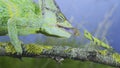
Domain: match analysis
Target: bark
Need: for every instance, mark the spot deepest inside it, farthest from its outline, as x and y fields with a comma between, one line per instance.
x=59, y=53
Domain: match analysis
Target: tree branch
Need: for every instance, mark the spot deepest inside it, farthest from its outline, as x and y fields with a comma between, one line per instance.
x=62, y=52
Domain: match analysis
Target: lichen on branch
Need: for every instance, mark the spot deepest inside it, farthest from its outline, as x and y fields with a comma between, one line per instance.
x=43, y=51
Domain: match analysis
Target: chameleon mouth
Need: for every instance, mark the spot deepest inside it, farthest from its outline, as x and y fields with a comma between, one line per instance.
x=70, y=30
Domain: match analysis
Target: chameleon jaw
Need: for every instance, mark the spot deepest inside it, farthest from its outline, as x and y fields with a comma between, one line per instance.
x=55, y=31
x=58, y=31
x=64, y=28
x=70, y=30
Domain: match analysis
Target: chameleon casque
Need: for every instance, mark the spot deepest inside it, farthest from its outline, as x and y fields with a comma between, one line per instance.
x=23, y=17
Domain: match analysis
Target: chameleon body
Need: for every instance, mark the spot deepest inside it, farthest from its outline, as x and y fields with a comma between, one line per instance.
x=23, y=17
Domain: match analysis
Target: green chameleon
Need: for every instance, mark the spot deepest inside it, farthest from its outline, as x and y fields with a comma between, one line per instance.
x=23, y=17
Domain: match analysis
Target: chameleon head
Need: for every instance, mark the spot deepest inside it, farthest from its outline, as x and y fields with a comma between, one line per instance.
x=52, y=27
x=54, y=22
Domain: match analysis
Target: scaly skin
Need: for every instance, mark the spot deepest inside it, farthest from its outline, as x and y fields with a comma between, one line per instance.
x=23, y=17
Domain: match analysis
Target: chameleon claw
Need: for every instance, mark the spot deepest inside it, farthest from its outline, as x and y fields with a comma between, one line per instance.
x=18, y=55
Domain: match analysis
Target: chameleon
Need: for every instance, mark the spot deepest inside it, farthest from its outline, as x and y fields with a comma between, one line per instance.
x=24, y=17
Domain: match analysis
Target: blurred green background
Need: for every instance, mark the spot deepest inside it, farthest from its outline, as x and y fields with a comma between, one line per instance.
x=8, y=62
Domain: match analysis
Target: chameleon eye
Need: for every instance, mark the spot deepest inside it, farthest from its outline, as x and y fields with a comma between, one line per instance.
x=60, y=17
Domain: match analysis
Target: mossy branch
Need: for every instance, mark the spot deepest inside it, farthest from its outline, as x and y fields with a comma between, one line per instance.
x=62, y=52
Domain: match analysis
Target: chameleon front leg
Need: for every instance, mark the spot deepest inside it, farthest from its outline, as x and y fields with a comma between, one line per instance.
x=13, y=35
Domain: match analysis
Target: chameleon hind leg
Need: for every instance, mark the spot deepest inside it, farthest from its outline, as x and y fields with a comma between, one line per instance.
x=13, y=35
